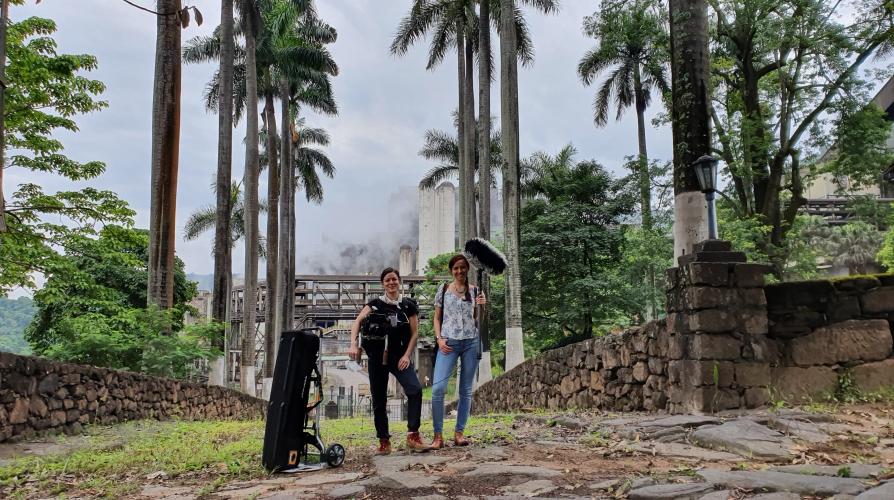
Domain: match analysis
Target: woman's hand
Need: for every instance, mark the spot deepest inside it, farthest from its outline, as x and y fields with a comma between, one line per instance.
x=354, y=352
x=442, y=345
x=403, y=363
x=481, y=299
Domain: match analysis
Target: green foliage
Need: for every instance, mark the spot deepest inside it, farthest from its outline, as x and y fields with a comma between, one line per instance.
x=45, y=92
x=93, y=309
x=646, y=254
x=861, y=153
x=886, y=253
x=571, y=244
x=14, y=317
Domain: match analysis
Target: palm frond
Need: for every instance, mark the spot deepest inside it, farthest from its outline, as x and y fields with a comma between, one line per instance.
x=198, y=222
x=438, y=174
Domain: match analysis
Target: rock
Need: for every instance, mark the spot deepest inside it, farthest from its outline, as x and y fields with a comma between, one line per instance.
x=489, y=469
x=531, y=488
x=783, y=481
x=862, y=471
x=642, y=482
x=48, y=384
x=430, y=497
x=799, y=383
x=719, y=495
x=158, y=491
x=804, y=431
x=681, y=450
x=884, y=491
x=874, y=376
x=347, y=490
x=745, y=438
x=853, y=340
x=687, y=421
x=19, y=412
x=604, y=485
x=686, y=491
x=878, y=301
x=779, y=495
x=569, y=423
x=318, y=479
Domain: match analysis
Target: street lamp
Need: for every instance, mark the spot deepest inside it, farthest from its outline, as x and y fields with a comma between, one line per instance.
x=706, y=172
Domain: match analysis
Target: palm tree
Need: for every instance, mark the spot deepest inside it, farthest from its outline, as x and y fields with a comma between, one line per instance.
x=205, y=218
x=223, y=267
x=632, y=41
x=444, y=148
x=165, y=155
x=453, y=23
x=288, y=48
x=690, y=74
x=515, y=353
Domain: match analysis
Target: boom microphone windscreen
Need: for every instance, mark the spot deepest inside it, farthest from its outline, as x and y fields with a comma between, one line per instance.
x=483, y=255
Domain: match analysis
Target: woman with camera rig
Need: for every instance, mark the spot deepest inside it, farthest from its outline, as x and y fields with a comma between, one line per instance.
x=390, y=326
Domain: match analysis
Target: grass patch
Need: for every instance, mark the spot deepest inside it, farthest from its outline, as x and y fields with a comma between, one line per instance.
x=205, y=455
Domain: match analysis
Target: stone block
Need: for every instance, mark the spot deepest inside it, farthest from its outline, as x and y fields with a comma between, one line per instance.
x=703, y=399
x=24, y=385
x=752, y=374
x=752, y=321
x=853, y=340
x=693, y=373
x=640, y=371
x=712, y=246
x=874, y=376
x=810, y=295
x=712, y=321
x=672, y=278
x=707, y=273
x=878, y=301
x=677, y=346
x=705, y=297
x=715, y=347
x=844, y=308
x=19, y=412
x=886, y=279
x=656, y=365
x=749, y=275
x=684, y=260
x=38, y=407
x=49, y=384
x=793, y=383
x=755, y=397
x=856, y=284
x=752, y=298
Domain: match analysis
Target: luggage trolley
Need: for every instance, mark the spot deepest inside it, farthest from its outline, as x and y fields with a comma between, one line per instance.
x=290, y=431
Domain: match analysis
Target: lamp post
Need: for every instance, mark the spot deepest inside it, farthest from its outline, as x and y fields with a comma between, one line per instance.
x=706, y=172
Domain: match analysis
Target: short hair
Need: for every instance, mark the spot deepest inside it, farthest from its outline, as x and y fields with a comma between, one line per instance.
x=386, y=272
x=456, y=258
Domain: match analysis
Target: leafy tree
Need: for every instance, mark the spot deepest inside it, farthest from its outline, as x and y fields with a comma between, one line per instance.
x=45, y=92
x=633, y=42
x=572, y=241
x=785, y=74
x=15, y=315
x=95, y=309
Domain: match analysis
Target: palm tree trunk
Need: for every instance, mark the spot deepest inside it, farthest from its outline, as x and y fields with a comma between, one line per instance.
x=690, y=117
x=509, y=137
x=645, y=183
x=222, y=236
x=293, y=245
x=484, y=177
x=165, y=157
x=469, y=147
x=286, y=199
x=251, y=210
x=461, y=130
x=271, y=309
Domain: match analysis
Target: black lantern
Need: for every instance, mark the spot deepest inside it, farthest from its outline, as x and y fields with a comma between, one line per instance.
x=706, y=173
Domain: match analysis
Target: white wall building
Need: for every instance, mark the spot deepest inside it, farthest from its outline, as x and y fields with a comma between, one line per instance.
x=437, y=223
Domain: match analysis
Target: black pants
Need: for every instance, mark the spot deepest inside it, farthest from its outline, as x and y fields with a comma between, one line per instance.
x=378, y=387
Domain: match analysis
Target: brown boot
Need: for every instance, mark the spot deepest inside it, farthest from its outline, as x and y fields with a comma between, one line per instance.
x=384, y=447
x=414, y=443
x=437, y=443
x=460, y=440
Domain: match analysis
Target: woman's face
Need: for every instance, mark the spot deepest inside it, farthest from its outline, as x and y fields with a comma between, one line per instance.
x=391, y=283
x=459, y=270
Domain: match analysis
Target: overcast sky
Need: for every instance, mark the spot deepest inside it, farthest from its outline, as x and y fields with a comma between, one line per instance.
x=385, y=105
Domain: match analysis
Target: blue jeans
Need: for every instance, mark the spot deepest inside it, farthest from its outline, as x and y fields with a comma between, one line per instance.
x=465, y=350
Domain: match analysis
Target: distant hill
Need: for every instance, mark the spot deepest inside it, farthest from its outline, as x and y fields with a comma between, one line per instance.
x=206, y=281
x=15, y=315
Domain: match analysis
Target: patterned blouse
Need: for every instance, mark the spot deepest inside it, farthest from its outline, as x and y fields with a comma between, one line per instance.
x=457, y=321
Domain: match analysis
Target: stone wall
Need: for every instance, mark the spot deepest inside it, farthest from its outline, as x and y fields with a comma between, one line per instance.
x=39, y=395
x=624, y=372
x=830, y=330
x=728, y=342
